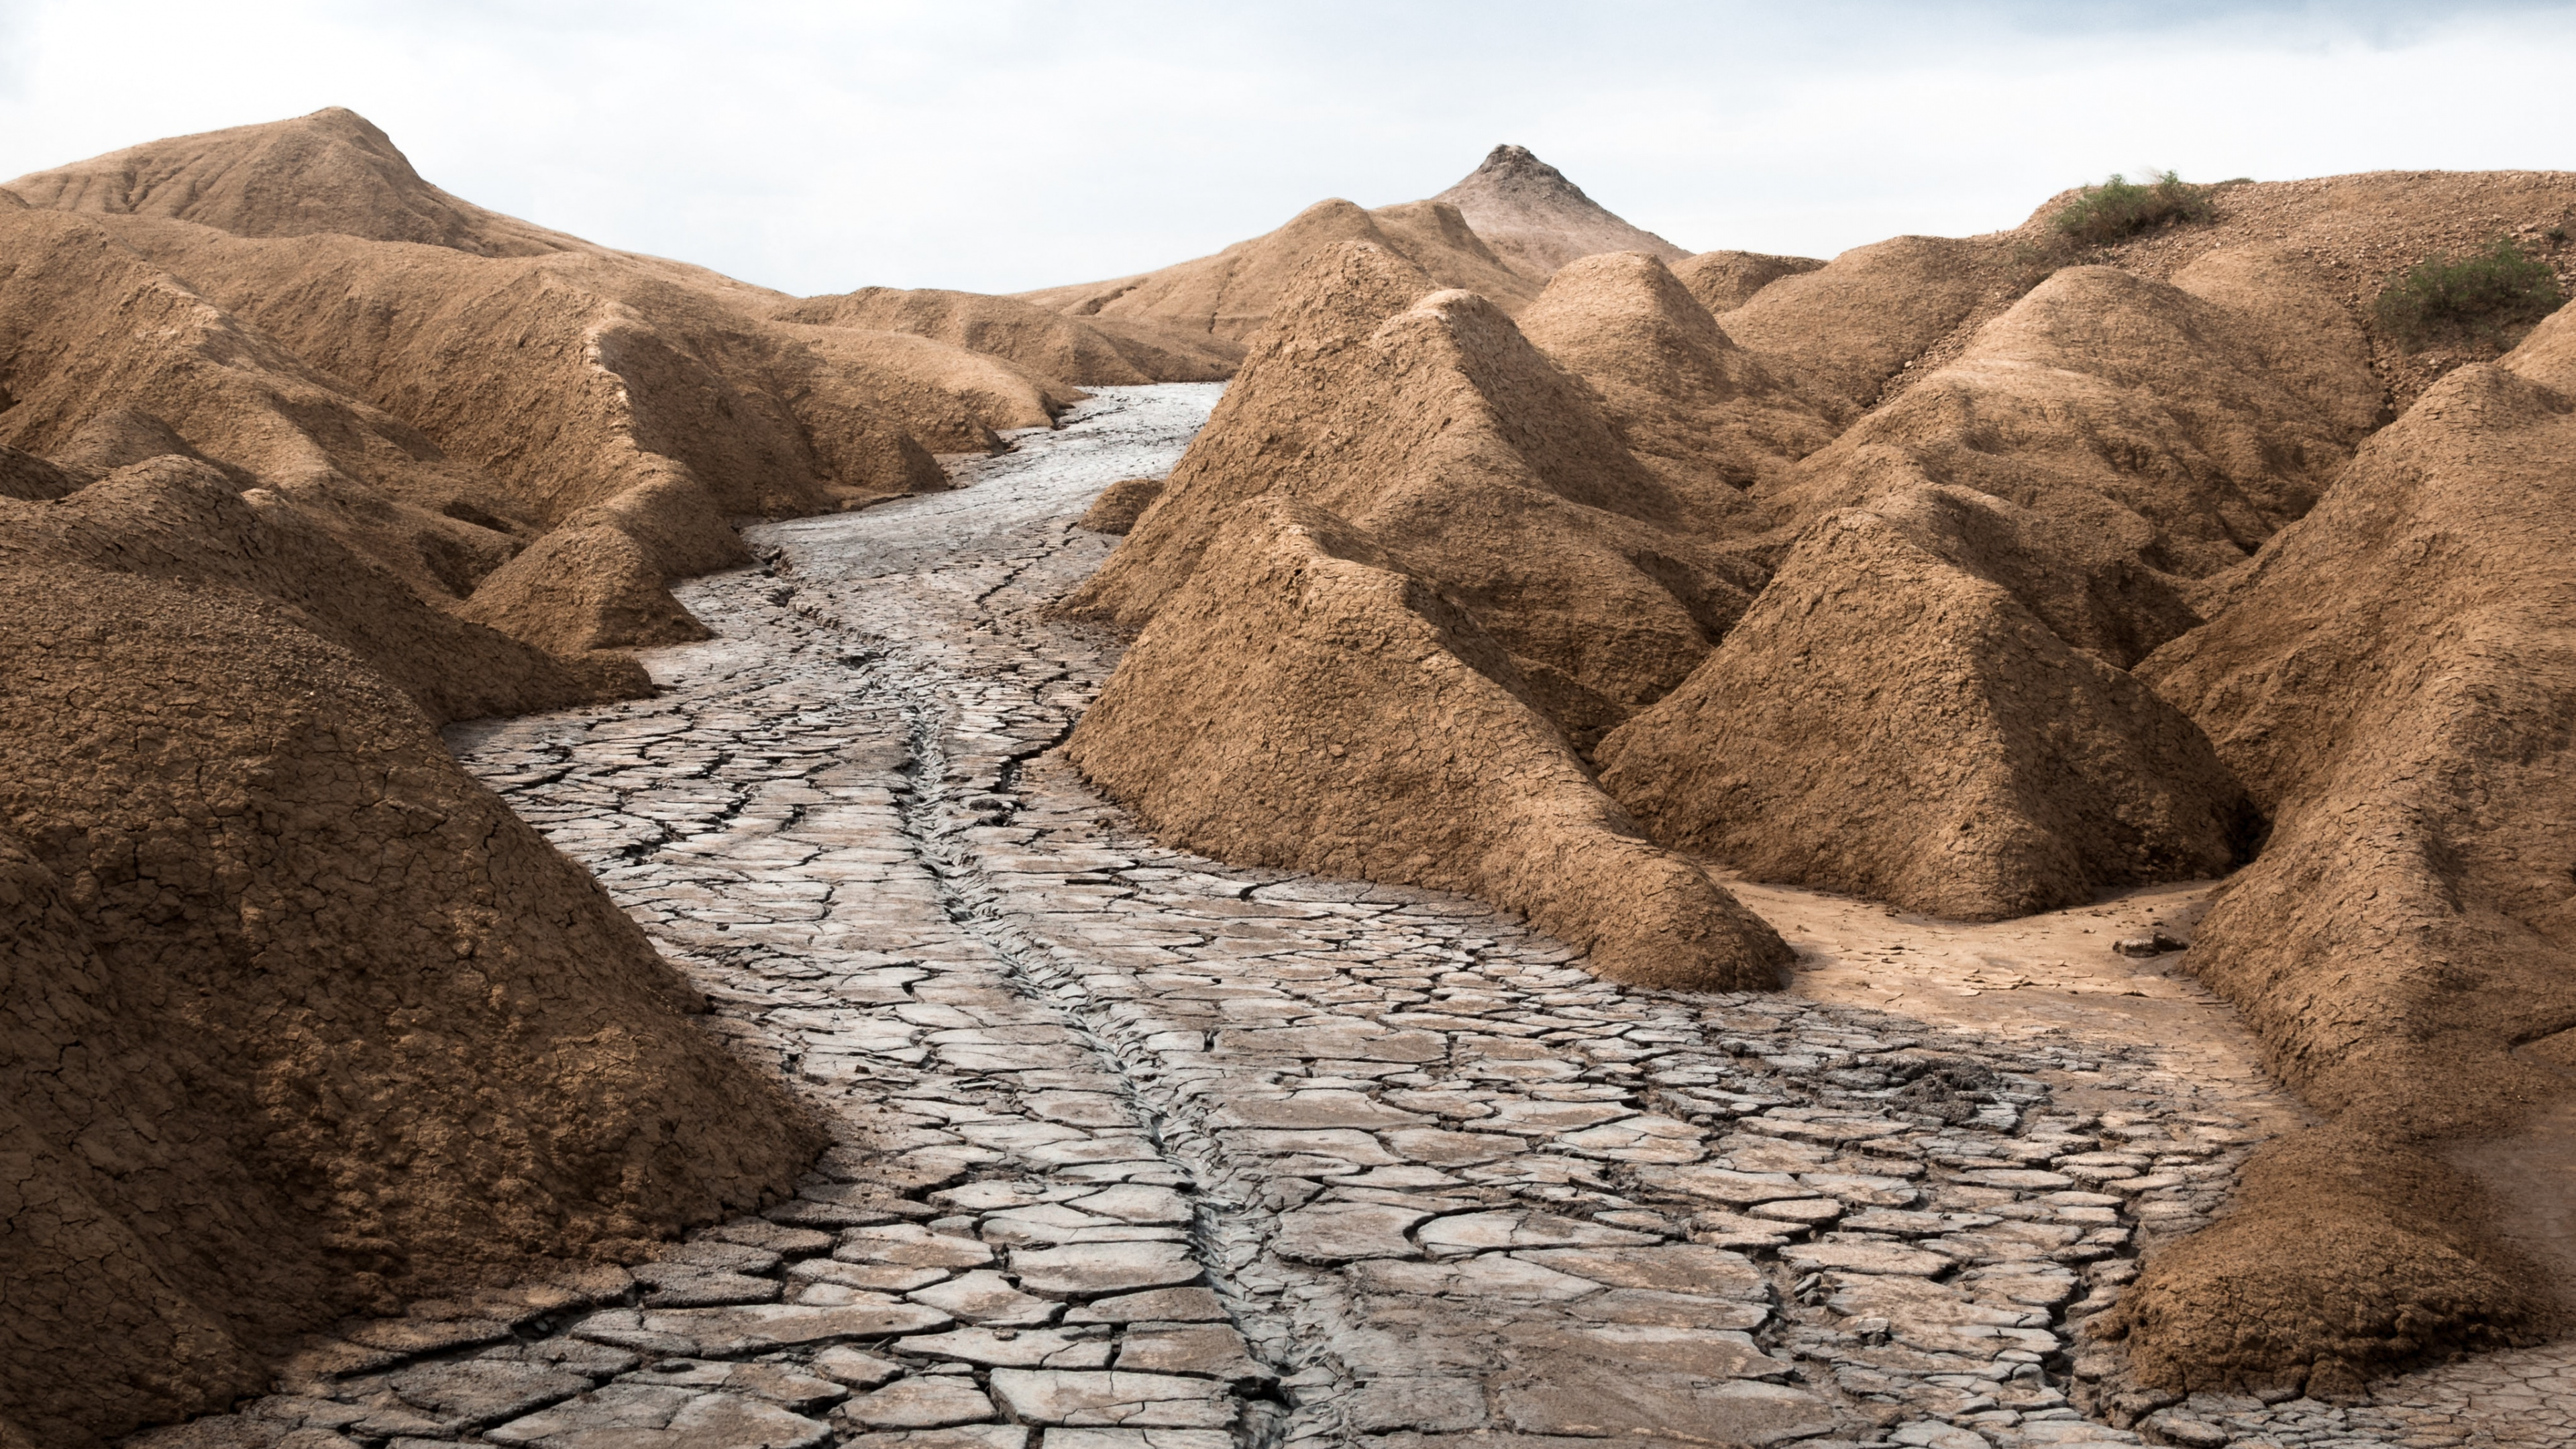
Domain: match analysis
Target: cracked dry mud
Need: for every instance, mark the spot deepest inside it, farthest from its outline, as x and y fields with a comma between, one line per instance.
x=1140, y=1151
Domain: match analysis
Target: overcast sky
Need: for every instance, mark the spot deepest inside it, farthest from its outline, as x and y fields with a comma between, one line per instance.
x=819, y=147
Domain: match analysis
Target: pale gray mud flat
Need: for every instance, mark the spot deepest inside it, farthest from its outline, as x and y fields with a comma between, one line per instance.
x=1141, y=1151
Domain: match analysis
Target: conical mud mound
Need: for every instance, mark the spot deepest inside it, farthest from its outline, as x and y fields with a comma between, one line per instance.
x=1885, y=723
x=1303, y=702
x=1691, y=405
x=2393, y=682
x=1537, y=221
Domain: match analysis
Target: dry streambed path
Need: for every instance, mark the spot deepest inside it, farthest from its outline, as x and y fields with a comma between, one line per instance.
x=1140, y=1151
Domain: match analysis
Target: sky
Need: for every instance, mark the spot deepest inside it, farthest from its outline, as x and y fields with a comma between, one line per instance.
x=818, y=147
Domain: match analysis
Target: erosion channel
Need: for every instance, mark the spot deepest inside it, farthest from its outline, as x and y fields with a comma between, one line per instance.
x=1141, y=1150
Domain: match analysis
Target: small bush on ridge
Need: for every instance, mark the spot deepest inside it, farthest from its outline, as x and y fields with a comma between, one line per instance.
x=2472, y=298
x=2121, y=208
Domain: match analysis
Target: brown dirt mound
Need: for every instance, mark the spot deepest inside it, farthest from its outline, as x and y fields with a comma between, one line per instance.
x=579, y=589
x=111, y=359
x=1427, y=446
x=1120, y=505
x=1537, y=221
x=1089, y=351
x=1303, y=702
x=1433, y=427
x=26, y=476
x=2209, y=422
x=2343, y=1255
x=513, y=378
x=331, y=171
x=1691, y=405
x=2393, y=682
x=1724, y=281
x=566, y=378
x=1230, y=295
x=2083, y=571
x=1854, y=323
x=1886, y=723
x=2352, y=234
x=301, y=1019
x=174, y=519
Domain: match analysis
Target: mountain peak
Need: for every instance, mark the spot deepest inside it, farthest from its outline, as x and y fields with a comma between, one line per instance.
x=1537, y=220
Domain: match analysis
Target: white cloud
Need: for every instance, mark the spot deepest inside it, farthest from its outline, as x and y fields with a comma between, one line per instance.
x=816, y=146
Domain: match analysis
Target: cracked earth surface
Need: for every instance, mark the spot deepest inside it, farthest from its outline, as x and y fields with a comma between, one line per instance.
x=1141, y=1151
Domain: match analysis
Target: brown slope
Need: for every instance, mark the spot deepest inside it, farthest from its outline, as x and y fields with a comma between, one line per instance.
x=1690, y=404
x=1724, y=281
x=2394, y=682
x=1537, y=221
x=110, y=359
x=1091, y=351
x=24, y=475
x=300, y=1019
x=1858, y=322
x=1853, y=324
x=1228, y=296
x=1886, y=722
x=573, y=378
x=331, y=171
x=574, y=384
x=1429, y=423
x=1395, y=464
x=2351, y=234
x=170, y=518
x=1304, y=702
x=2207, y=413
x=1118, y=506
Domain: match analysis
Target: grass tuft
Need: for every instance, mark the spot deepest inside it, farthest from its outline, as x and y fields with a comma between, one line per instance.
x=2120, y=208
x=2479, y=298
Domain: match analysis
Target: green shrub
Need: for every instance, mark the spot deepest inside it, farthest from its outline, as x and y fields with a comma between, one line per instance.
x=2121, y=208
x=2473, y=298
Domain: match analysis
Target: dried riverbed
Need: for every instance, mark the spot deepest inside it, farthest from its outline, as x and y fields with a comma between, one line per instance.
x=1139, y=1151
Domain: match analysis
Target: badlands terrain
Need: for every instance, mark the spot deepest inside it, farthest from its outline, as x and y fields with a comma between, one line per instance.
x=1452, y=826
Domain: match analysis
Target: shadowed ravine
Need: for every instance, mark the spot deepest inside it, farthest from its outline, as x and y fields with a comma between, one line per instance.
x=1133, y=1141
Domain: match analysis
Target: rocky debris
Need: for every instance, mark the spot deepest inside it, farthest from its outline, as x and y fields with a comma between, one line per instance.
x=1537, y=221
x=1888, y=724
x=1120, y=504
x=2155, y=945
x=976, y=967
x=1723, y=281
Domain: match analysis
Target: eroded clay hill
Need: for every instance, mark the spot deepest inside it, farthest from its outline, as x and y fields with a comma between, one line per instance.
x=1500, y=233
x=1537, y=221
x=1400, y=489
x=444, y=383
x=303, y=458
x=301, y=1021
x=1076, y=351
x=1973, y=575
x=2392, y=683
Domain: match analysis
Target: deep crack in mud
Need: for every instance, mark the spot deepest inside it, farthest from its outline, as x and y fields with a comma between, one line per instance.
x=1141, y=1150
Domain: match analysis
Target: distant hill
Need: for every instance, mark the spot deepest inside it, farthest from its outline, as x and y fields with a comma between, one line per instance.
x=1500, y=232
x=1537, y=221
